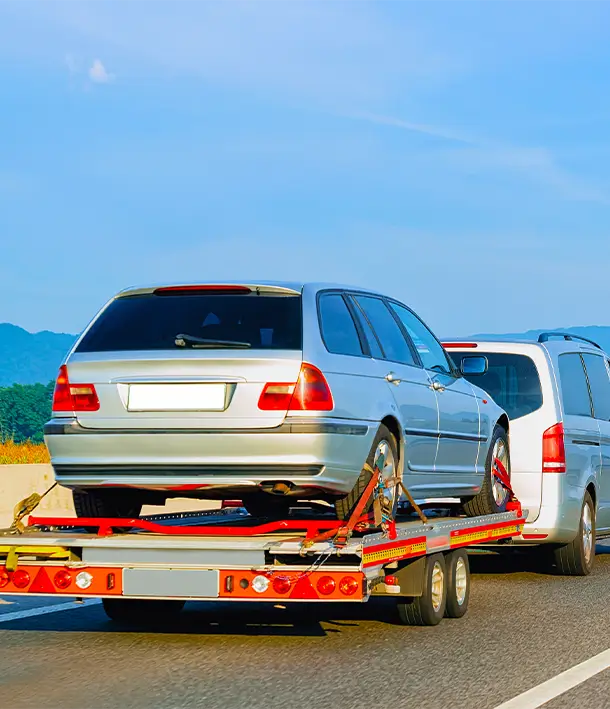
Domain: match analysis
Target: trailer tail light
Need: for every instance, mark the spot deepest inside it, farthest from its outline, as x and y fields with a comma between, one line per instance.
x=62, y=579
x=326, y=585
x=309, y=393
x=73, y=397
x=20, y=578
x=4, y=578
x=281, y=584
x=553, y=450
x=348, y=585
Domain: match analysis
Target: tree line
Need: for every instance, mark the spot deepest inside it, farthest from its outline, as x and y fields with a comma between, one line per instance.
x=24, y=410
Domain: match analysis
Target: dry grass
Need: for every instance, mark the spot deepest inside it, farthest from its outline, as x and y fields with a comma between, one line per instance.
x=23, y=453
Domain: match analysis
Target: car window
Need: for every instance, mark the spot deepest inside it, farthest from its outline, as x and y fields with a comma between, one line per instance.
x=151, y=321
x=337, y=326
x=371, y=338
x=511, y=380
x=430, y=350
x=574, y=388
x=599, y=383
x=393, y=342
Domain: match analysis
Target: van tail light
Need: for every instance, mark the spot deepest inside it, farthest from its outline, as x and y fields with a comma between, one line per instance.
x=73, y=397
x=553, y=450
x=309, y=393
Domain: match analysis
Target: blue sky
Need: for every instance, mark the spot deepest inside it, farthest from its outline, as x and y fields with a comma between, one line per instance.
x=452, y=154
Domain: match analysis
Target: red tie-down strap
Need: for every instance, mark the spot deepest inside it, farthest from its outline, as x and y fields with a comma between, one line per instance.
x=501, y=474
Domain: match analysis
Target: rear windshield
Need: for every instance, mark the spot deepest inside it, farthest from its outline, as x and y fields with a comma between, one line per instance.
x=511, y=380
x=215, y=321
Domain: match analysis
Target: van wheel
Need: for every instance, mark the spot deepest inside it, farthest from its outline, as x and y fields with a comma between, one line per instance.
x=384, y=444
x=577, y=557
x=134, y=611
x=105, y=503
x=493, y=496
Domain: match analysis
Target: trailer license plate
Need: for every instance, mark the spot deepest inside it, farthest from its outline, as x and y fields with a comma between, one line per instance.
x=171, y=583
x=176, y=397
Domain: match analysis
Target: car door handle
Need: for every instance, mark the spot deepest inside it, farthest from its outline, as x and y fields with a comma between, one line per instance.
x=437, y=386
x=392, y=378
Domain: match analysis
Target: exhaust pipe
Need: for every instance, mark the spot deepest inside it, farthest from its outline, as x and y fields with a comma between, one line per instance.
x=279, y=488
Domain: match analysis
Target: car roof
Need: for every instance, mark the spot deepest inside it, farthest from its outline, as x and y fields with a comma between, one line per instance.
x=279, y=286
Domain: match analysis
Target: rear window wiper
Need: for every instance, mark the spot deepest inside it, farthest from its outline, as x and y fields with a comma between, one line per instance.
x=182, y=340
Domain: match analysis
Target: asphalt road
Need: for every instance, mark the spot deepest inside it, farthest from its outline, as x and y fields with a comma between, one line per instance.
x=522, y=629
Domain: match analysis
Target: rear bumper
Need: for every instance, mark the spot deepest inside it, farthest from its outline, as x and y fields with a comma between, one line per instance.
x=313, y=455
x=558, y=520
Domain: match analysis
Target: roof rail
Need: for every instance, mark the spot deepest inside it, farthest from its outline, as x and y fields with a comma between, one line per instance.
x=546, y=336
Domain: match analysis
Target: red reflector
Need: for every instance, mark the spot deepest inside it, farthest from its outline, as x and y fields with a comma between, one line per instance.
x=42, y=583
x=348, y=586
x=73, y=397
x=534, y=536
x=391, y=581
x=20, y=578
x=281, y=584
x=310, y=393
x=303, y=589
x=459, y=345
x=553, y=450
x=231, y=503
x=326, y=585
x=4, y=578
x=62, y=579
x=225, y=289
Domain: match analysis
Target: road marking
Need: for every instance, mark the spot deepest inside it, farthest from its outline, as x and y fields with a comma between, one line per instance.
x=31, y=612
x=561, y=683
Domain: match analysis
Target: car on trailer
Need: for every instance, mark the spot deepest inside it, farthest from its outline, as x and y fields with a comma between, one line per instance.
x=272, y=393
x=556, y=391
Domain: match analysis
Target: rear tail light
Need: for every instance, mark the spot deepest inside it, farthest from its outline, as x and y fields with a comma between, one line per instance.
x=310, y=393
x=20, y=578
x=63, y=579
x=348, y=585
x=553, y=450
x=281, y=584
x=73, y=397
x=4, y=578
x=326, y=585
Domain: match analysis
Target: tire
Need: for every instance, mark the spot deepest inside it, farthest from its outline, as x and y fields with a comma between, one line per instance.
x=486, y=502
x=429, y=608
x=458, y=584
x=105, y=503
x=345, y=505
x=577, y=557
x=266, y=506
x=127, y=611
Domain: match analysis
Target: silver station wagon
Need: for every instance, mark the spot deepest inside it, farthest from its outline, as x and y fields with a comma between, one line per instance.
x=268, y=393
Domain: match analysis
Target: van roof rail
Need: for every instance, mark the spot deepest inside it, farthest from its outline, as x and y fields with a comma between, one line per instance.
x=546, y=336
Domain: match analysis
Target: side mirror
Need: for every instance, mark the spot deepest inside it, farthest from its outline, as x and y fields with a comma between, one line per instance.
x=473, y=366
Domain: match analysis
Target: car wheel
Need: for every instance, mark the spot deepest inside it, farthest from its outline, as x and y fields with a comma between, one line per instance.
x=577, y=557
x=384, y=444
x=133, y=611
x=493, y=496
x=105, y=503
x=264, y=505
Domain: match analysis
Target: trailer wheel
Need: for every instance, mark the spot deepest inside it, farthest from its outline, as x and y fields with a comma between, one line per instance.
x=384, y=443
x=134, y=611
x=429, y=608
x=458, y=583
x=493, y=496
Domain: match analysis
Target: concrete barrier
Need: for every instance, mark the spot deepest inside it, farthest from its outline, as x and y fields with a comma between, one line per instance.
x=20, y=481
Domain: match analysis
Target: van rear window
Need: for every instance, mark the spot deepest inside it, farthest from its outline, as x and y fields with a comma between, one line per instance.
x=511, y=380
x=207, y=320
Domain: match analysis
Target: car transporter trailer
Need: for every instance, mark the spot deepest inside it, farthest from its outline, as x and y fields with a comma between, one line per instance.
x=145, y=569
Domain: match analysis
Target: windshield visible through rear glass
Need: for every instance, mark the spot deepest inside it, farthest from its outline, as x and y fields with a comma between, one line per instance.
x=205, y=320
x=511, y=380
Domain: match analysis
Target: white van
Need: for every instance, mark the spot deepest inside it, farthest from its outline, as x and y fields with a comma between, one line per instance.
x=557, y=395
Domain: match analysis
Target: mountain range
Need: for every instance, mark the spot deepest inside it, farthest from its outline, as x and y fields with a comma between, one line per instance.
x=29, y=358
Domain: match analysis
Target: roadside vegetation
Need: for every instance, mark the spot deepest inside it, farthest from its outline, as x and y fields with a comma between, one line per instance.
x=23, y=453
x=24, y=410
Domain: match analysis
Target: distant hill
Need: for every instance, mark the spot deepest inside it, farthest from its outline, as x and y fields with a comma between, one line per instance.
x=29, y=358
x=598, y=333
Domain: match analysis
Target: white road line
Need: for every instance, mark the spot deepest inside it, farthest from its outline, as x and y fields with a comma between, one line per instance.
x=543, y=693
x=43, y=610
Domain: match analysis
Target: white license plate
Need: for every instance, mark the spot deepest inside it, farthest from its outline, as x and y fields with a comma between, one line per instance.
x=176, y=397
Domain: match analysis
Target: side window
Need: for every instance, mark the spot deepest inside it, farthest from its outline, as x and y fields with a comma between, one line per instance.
x=337, y=326
x=428, y=347
x=574, y=388
x=371, y=338
x=599, y=383
x=393, y=342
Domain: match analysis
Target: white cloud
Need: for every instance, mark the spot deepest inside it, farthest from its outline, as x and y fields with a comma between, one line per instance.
x=98, y=73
